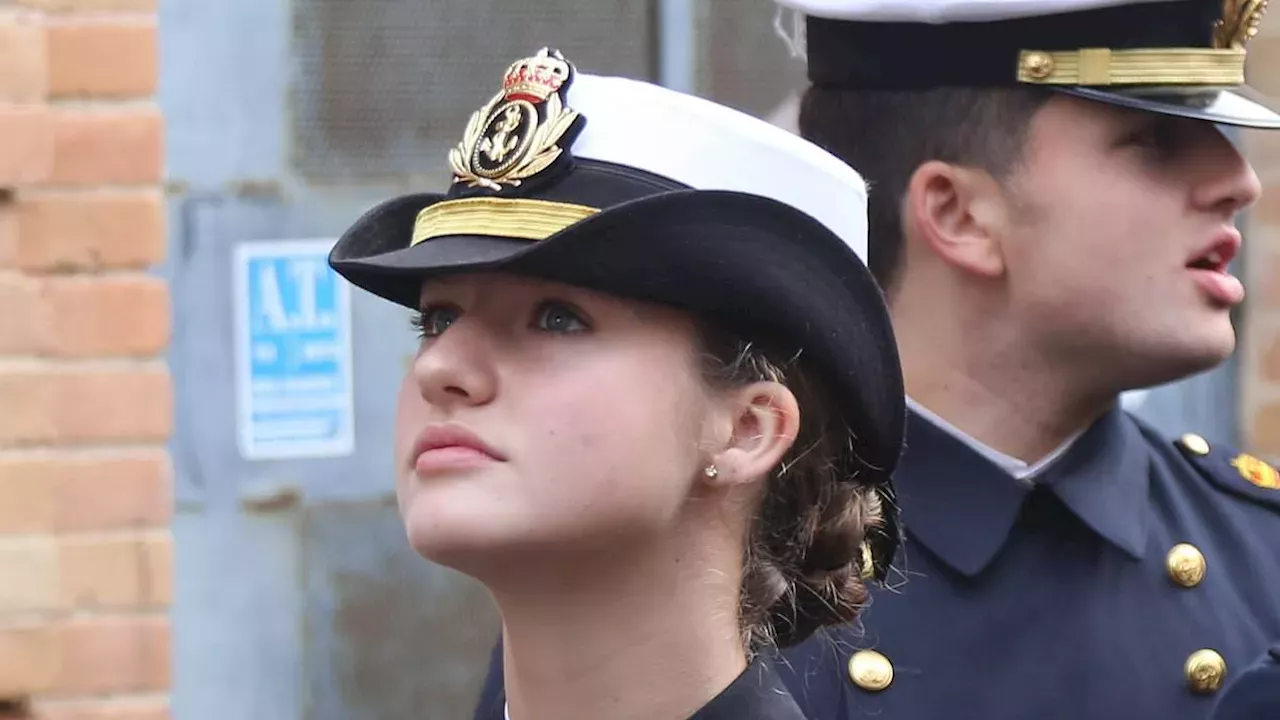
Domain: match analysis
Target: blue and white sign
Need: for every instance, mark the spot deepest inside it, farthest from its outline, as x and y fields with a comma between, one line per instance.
x=293, y=352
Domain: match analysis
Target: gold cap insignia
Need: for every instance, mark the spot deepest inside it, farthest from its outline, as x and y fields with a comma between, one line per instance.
x=523, y=129
x=1239, y=23
x=1257, y=472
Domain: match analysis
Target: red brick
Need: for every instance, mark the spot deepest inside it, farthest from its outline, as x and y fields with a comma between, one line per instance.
x=84, y=316
x=1263, y=271
x=25, y=320
x=8, y=232
x=1264, y=54
x=104, y=58
x=108, y=316
x=91, y=5
x=28, y=574
x=114, y=571
x=26, y=145
x=121, y=145
x=1266, y=213
x=55, y=492
x=130, y=491
x=90, y=230
x=113, y=709
x=29, y=660
x=27, y=500
x=22, y=45
x=157, y=571
x=1268, y=365
x=68, y=406
x=1263, y=431
x=114, y=654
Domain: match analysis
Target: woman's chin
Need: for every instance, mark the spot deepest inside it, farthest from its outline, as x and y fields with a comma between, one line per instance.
x=455, y=542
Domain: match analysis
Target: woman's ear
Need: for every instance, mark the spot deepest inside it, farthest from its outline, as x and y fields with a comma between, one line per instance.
x=764, y=419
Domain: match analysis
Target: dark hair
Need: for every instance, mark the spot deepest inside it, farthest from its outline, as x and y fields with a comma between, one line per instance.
x=886, y=135
x=804, y=561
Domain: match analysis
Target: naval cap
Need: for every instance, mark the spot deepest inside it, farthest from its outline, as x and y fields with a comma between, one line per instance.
x=1178, y=57
x=643, y=192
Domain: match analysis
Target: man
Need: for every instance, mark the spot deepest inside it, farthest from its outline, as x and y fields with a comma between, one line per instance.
x=1048, y=241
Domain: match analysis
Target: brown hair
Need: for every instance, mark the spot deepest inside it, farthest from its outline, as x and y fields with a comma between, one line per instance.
x=803, y=565
x=886, y=135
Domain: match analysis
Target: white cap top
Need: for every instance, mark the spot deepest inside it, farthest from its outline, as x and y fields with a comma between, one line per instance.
x=712, y=147
x=943, y=11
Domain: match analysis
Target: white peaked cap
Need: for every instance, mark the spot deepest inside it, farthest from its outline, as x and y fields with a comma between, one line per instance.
x=712, y=147
x=943, y=11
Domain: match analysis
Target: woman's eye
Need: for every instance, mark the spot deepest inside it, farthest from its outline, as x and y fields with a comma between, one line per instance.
x=558, y=317
x=433, y=321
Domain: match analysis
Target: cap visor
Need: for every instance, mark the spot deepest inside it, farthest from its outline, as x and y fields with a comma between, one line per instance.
x=1239, y=106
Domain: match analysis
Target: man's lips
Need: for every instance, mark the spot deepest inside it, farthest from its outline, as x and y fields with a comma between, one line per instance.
x=1209, y=267
x=1217, y=255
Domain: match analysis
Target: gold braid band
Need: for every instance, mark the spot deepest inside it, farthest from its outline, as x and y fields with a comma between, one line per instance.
x=497, y=217
x=1102, y=66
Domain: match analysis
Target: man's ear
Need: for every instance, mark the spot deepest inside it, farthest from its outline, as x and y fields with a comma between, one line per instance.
x=960, y=213
x=764, y=419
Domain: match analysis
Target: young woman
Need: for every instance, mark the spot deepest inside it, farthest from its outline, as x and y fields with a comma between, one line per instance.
x=657, y=399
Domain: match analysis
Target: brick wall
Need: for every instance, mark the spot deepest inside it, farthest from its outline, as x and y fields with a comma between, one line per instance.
x=1260, y=352
x=85, y=398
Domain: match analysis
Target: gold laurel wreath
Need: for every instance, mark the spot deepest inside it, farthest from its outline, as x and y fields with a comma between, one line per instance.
x=1239, y=23
x=542, y=151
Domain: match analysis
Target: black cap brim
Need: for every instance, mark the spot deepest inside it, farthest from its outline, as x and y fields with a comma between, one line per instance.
x=1238, y=106
x=727, y=257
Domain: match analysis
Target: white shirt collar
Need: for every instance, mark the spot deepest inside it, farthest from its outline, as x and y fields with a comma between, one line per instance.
x=1020, y=469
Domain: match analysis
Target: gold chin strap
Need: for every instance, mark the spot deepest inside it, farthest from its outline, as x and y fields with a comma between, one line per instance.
x=1145, y=66
x=520, y=218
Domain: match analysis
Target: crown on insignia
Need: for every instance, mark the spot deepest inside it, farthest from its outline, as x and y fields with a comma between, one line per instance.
x=536, y=78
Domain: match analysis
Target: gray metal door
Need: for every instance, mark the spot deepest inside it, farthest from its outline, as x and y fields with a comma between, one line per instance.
x=297, y=596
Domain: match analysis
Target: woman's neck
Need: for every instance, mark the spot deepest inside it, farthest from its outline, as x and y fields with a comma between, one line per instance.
x=650, y=635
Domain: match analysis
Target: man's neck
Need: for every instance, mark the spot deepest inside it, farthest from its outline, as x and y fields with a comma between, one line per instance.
x=642, y=637
x=991, y=390
x=1025, y=425
x=966, y=359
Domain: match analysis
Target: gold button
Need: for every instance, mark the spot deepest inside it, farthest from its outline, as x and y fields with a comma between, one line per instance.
x=1205, y=671
x=1186, y=565
x=870, y=670
x=1037, y=65
x=1196, y=444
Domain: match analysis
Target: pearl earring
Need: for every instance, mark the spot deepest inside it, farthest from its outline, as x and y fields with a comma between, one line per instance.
x=711, y=470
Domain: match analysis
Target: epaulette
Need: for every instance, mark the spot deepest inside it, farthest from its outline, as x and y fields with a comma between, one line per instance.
x=1236, y=472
